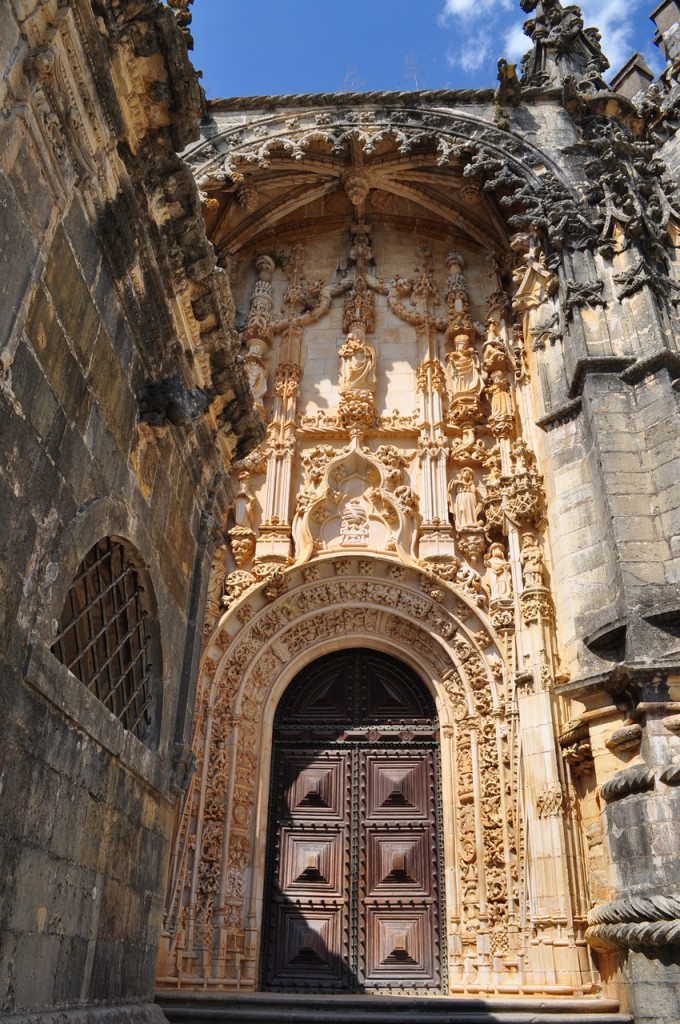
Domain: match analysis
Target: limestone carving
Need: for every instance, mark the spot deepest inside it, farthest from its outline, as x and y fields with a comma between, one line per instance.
x=643, y=922
x=399, y=481
x=550, y=801
x=465, y=503
x=502, y=417
x=498, y=579
x=357, y=366
x=533, y=569
x=354, y=526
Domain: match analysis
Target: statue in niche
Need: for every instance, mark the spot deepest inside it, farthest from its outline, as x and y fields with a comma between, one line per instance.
x=502, y=416
x=456, y=287
x=533, y=569
x=243, y=504
x=501, y=399
x=464, y=380
x=357, y=365
x=466, y=505
x=497, y=576
x=466, y=377
x=242, y=536
x=256, y=371
x=495, y=353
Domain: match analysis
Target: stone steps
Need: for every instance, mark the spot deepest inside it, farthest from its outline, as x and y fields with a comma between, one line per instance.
x=276, y=1008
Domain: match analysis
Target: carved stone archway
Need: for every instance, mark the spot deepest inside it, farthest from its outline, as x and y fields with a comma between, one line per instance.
x=213, y=927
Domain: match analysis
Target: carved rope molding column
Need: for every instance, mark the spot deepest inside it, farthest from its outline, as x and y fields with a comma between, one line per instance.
x=640, y=924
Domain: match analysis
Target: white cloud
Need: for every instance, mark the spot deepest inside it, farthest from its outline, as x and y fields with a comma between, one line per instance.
x=470, y=10
x=474, y=51
x=515, y=43
x=614, y=19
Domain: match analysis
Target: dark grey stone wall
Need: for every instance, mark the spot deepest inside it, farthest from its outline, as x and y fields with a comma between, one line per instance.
x=90, y=313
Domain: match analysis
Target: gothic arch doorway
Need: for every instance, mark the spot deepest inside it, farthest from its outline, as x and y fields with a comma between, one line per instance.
x=353, y=890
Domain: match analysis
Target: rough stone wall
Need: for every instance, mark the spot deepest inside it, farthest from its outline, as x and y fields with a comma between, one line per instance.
x=107, y=287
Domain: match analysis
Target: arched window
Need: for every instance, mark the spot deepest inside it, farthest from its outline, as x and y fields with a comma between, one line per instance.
x=106, y=634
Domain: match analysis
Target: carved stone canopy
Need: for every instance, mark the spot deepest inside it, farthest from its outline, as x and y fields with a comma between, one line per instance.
x=389, y=163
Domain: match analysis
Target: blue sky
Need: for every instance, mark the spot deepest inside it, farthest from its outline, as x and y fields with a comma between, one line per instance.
x=257, y=47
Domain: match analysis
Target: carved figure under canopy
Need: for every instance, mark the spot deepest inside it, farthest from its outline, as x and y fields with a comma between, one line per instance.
x=357, y=365
x=456, y=287
x=465, y=505
x=466, y=378
x=533, y=568
x=256, y=370
x=501, y=399
x=497, y=576
x=243, y=504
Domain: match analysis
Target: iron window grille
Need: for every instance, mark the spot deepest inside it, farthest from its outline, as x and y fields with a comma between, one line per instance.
x=104, y=635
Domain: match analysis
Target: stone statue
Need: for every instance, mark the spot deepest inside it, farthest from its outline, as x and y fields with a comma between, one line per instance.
x=466, y=378
x=497, y=576
x=501, y=399
x=256, y=369
x=466, y=505
x=533, y=568
x=456, y=287
x=243, y=504
x=357, y=365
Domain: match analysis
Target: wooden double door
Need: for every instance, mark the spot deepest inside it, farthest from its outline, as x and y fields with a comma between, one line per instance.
x=353, y=894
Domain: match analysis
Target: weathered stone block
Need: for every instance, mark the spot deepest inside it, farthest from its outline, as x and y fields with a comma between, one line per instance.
x=18, y=254
x=113, y=393
x=71, y=297
x=51, y=348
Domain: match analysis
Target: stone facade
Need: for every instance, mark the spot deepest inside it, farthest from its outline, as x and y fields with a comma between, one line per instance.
x=458, y=318
x=456, y=314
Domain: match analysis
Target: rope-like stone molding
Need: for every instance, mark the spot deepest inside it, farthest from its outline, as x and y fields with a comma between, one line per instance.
x=626, y=738
x=636, y=923
x=636, y=779
x=671, y=775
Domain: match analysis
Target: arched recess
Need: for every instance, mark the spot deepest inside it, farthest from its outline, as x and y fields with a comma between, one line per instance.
x=214, y=912
x=405, y=150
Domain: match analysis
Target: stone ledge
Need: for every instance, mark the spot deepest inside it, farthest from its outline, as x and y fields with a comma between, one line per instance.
x=138, y=1013
x=560, y=415
x=596, y=364
x=616, y=678
x=70, y=697
x=663, y=359
x=277, y=1008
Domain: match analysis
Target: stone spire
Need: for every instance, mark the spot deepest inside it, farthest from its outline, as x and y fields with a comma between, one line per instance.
x=563, y=50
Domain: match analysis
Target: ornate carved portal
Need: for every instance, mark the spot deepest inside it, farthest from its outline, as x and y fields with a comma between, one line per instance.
x=397, y=505
x=353, y=892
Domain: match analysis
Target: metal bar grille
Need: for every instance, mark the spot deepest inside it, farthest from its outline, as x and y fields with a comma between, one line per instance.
x=103, y=637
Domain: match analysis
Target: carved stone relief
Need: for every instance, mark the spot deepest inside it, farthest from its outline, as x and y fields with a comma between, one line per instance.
x=396, y=500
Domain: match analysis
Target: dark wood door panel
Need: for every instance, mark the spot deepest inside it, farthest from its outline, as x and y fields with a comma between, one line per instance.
x=398, y=918
x=316, y=785
x=353, y=899
x=310, y=951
